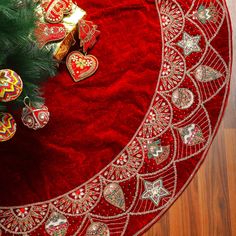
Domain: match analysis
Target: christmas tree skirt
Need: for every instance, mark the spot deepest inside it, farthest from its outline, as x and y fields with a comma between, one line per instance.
x=122, y=145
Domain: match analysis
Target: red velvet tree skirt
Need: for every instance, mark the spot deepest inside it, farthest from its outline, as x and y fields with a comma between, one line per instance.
x=122, y=145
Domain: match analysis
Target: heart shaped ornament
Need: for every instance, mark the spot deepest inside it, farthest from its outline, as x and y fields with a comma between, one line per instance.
x=81, y=66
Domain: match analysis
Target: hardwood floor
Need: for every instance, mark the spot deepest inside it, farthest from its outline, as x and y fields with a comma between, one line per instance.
x=208, y=206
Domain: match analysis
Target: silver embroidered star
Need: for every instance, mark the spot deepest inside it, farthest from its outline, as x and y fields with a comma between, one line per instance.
x=189, y=43
x=154, y=191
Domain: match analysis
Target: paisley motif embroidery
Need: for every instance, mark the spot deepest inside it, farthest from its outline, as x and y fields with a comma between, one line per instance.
x=46, y=33
x=205, y=74
x=114, y=194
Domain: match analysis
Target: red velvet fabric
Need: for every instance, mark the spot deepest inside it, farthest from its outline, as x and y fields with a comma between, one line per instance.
x=91, y=121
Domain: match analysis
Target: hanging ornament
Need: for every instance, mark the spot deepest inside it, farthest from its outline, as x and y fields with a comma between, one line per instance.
x=113, y=194
x=7, y=126
x=206, y=14
x=57, y=225
x=157, y=152
x=98, y=229
x=81, y=66
x=11, y=85
x=34, y=117
x=182, y=98
x=191, y=135
x=54, y=10
x=88, y=34
x=206, y=74
x=46, y=33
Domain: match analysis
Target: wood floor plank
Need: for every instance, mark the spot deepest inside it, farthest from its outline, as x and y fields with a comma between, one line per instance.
x=230, y=136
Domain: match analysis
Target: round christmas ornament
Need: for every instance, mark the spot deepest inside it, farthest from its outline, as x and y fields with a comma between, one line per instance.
x=57, y=224
x=11, y=85
x=183, y=98
x=7, y=126
x=34, y=117
x=98, y=229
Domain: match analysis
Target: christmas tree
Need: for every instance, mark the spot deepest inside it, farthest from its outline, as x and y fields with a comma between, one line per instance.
x=19, y=50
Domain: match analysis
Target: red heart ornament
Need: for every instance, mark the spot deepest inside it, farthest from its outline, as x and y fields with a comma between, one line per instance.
x=46, y=33
x=81, y=66
x=54, y=10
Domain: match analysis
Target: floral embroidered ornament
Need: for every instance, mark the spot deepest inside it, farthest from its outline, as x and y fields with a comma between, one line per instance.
x=140, y=184
x=81, y=66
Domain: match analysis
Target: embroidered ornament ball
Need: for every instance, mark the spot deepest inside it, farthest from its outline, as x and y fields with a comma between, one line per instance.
x=7, y=127
x=35, y=117
x=11, y=85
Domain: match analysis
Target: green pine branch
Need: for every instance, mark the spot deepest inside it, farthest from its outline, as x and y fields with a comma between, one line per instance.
x=19, y=52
